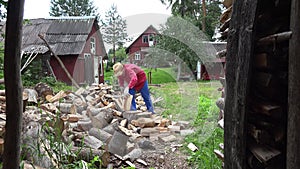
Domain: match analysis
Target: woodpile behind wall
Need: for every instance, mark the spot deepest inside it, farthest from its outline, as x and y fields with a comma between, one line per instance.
x=267, y=103
x=257, y=85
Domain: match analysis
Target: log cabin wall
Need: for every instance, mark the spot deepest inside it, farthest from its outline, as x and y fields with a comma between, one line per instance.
x=257, y=85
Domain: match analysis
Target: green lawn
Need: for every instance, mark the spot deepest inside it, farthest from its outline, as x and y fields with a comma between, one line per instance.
x=158, y=76
x=194, y=102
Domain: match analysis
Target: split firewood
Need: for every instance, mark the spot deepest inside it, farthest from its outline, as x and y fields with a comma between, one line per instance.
x=2, y=92
x=269, y=109
x=100, y=134
x=228, y=3
x=32, y=95
x=192, y=147
x=164, y=122
x=66, y=108
x=219, y=154
x=123, y=103
x=226, y=15
x=143, y=122
x=279, y=37
x=142, y=162
x=117, y=113
x=49, y=107
x=225, y=25
x=2, y=98
x=43, y=89
x=130, y=164
x=92, y=142
x=81, y=91
x=125, y=131
x=263, y=153
x=221, y=123
x=57, y=97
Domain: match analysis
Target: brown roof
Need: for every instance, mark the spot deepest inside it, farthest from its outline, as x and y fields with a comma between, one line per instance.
x=65, y=35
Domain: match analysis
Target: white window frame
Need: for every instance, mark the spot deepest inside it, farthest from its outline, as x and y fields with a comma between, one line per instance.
x=143, y=40
x=100, y=65
x=93, y=45
x=137, y=56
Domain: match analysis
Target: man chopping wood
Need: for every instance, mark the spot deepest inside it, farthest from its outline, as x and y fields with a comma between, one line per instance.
x=132, y=79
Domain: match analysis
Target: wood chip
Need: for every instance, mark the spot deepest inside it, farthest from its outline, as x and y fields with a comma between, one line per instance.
x=192, y=147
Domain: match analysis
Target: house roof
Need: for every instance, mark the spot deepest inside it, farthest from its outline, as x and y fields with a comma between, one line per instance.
x=65, y=35
x=150, y=27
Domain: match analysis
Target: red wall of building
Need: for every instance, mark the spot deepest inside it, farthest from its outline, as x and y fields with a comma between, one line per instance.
x=75, y=64
x=69, y=62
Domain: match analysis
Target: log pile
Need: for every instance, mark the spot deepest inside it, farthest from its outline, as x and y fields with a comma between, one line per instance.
x=224, y=29
x=90, y=121
x=225, y=19
x=267, y=102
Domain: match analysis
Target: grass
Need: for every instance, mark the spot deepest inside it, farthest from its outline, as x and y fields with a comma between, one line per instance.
x=194, y=102
x=158, y=76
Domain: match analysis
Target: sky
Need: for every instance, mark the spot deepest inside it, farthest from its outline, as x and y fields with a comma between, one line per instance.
x=41, y=8
x=139, y=14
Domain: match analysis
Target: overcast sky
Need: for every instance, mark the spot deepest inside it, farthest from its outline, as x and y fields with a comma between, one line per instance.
x=138, y=13
x=41, y=8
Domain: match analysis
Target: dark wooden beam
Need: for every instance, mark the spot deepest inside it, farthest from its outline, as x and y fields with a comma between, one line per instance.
x=13, y=84
x=293, y=134
x=238, y=64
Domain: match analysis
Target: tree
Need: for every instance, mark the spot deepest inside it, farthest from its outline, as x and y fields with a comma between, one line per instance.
x=72, y=8
x=3, y=7
x=203, y=13
x=114, y=29
x=13, y=85
x=180, y=42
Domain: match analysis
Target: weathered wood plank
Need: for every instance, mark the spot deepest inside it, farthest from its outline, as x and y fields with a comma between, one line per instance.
x=293, y=134
x=240, y=51
x=13, y=84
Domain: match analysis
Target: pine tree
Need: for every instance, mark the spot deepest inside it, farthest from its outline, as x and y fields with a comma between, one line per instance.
x=114, y=29
x=72, y=8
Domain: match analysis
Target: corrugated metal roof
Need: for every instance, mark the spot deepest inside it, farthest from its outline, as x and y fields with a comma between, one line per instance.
x=65, y=35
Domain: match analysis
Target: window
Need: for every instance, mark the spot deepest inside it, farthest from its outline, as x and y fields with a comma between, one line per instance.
x=93, y=46
x=151, y=40
x=100, y=65
x=137, y=56
x=145, y=38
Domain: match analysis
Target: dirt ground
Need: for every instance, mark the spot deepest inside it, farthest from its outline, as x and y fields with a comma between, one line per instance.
x=164, y=156
x=160, y=155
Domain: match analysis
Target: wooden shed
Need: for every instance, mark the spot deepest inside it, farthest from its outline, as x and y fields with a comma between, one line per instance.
x=262, y=112
x=77, y=41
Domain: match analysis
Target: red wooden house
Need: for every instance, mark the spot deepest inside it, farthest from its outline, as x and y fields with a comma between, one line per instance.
x=77, y=41
x=215, y=67
x=139, y=47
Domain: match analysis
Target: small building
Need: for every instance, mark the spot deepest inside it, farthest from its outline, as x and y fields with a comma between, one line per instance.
x=77, y=41
x=214, y=69
x=138, y=49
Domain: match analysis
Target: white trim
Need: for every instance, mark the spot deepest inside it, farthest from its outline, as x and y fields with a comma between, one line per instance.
x=137, y=56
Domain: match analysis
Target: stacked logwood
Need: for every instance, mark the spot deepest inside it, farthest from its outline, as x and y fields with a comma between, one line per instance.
x=267, y=102
x=223, y=29
x=92, y=121
x=225, y=19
